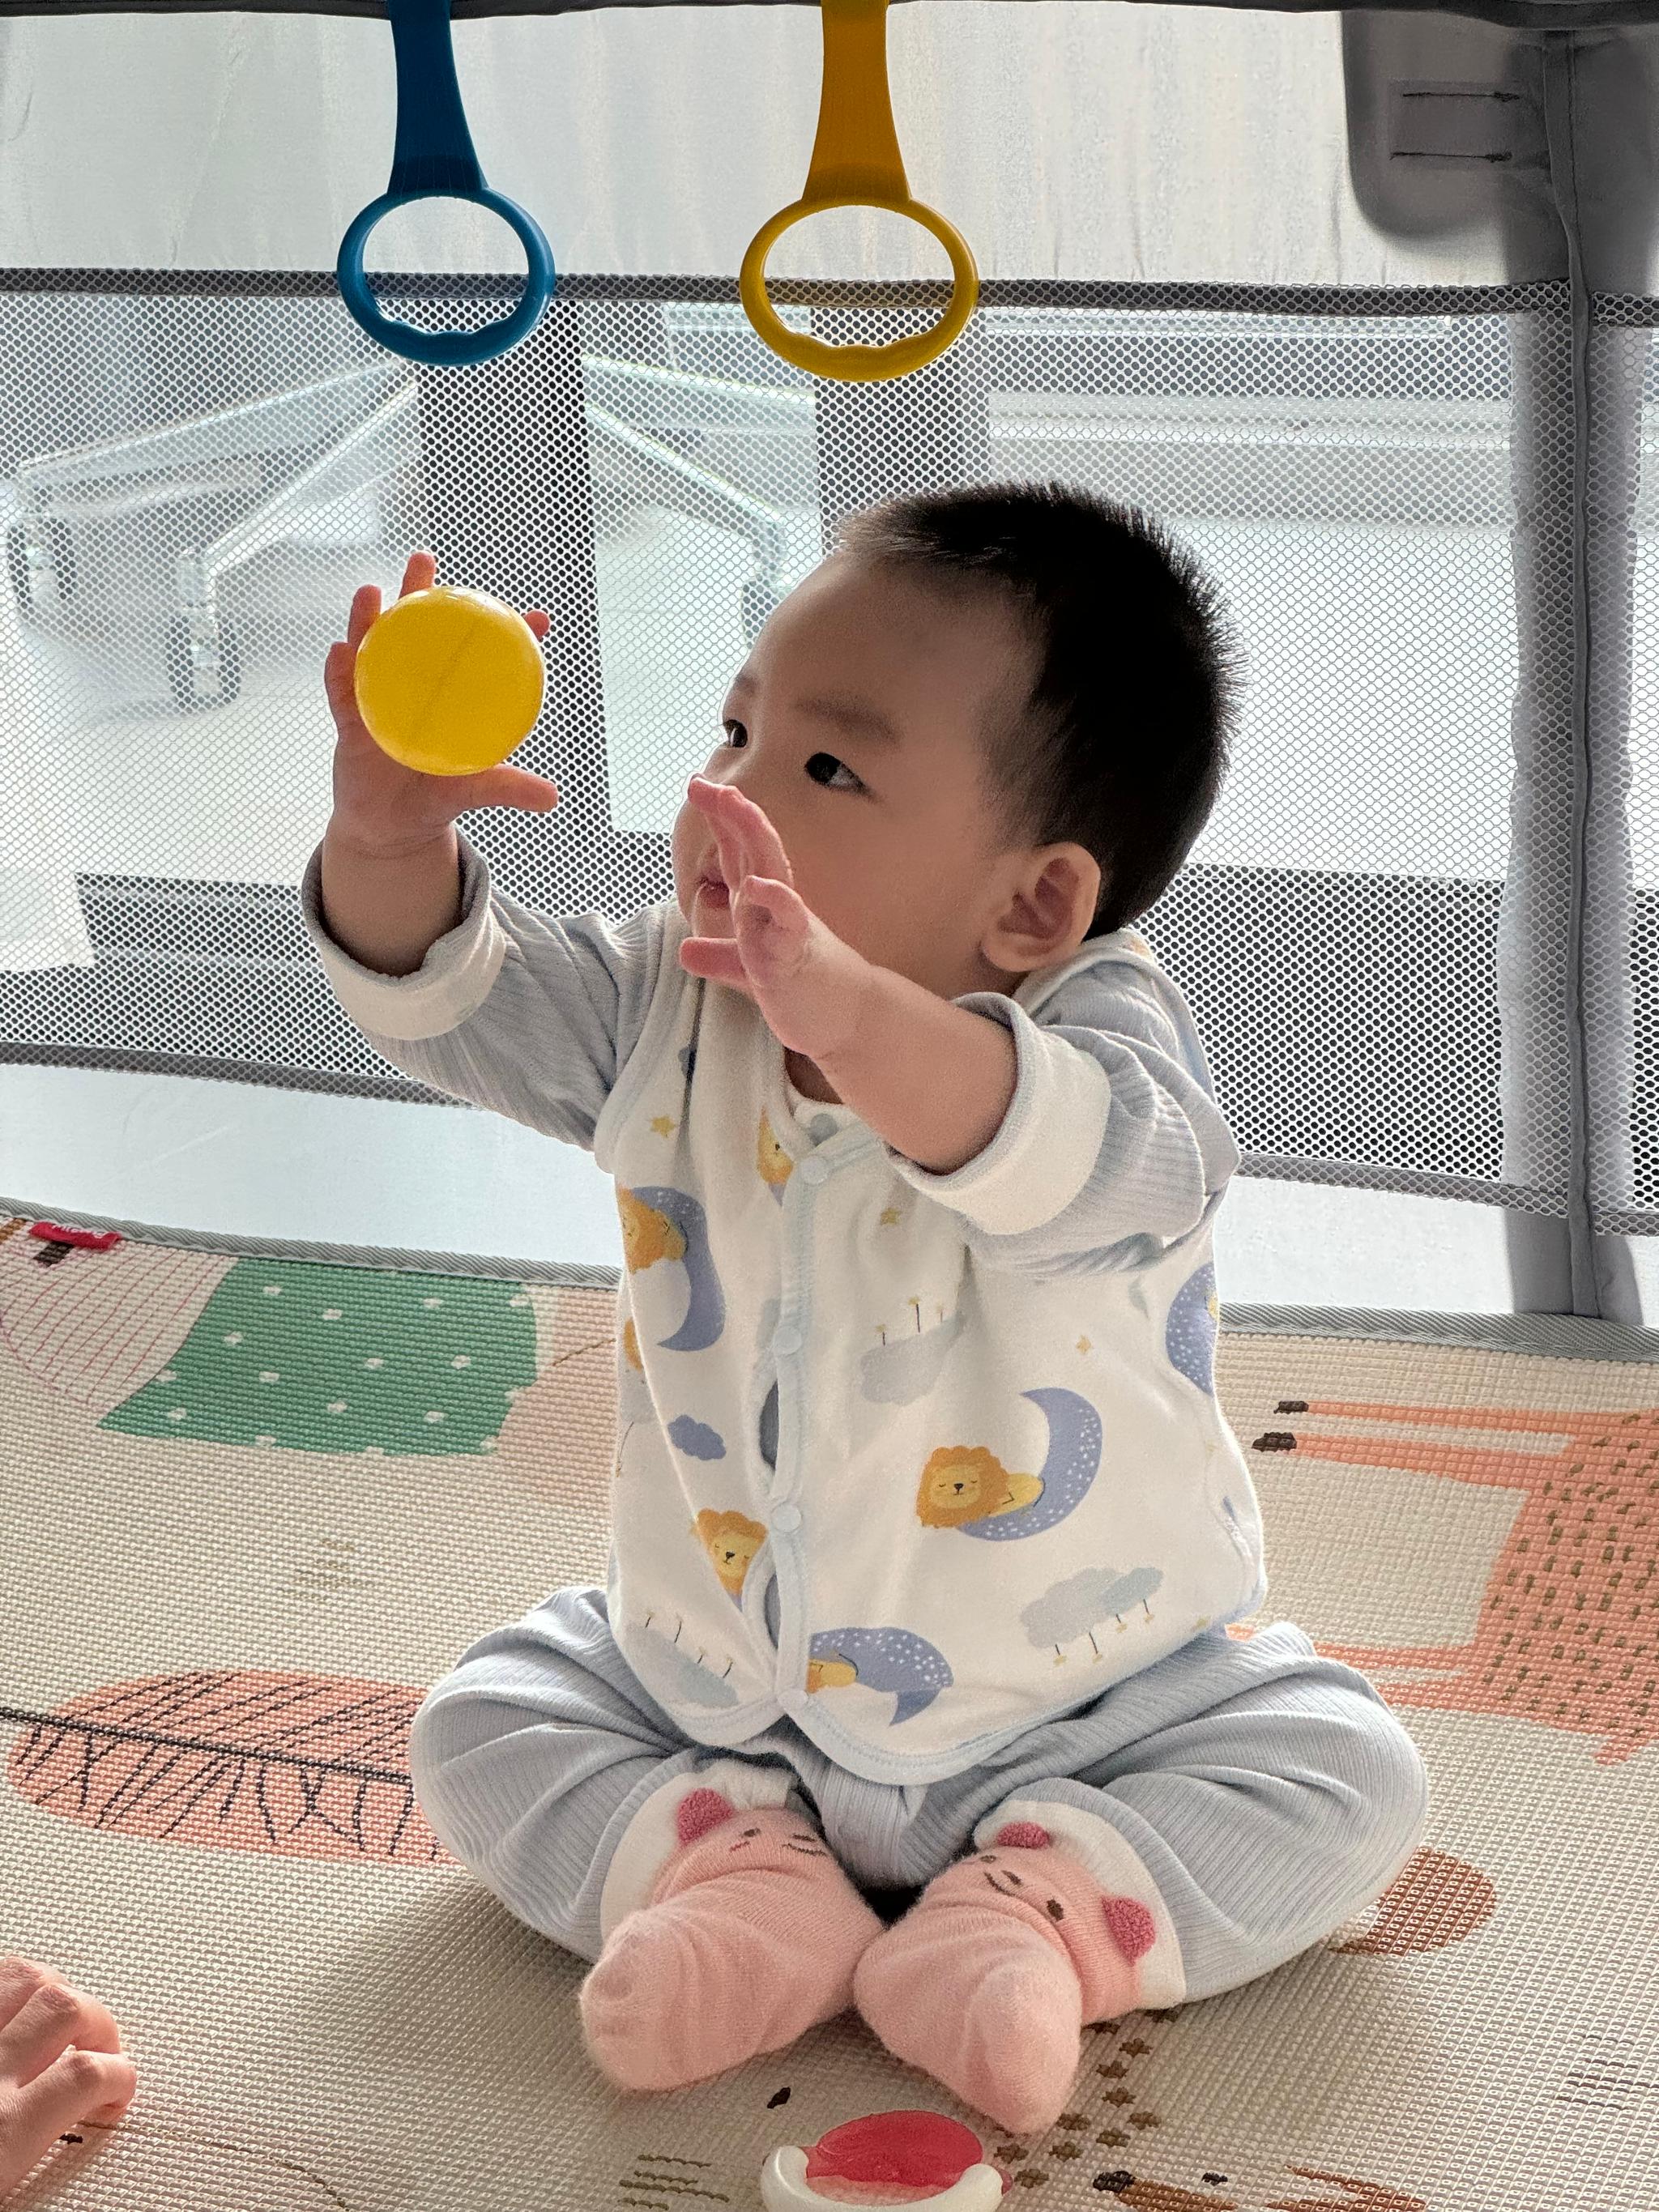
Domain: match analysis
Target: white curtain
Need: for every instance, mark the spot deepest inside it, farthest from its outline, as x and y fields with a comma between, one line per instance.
x=1101, y=140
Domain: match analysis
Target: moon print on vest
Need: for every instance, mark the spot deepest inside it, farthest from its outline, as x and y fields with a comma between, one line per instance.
x=660, y=1223
x=880, y=1659
x=1189, y=1336
x=968, y=1488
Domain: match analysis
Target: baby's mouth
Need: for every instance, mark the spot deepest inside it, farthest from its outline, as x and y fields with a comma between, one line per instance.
x=714, y=891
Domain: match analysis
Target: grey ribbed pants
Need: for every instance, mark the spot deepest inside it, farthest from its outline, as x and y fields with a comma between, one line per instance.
x=1269, y=1794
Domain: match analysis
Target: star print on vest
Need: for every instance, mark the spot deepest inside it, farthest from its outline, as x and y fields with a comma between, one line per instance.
x=880, y=1659
x=967, y=1487
x=660, y=1222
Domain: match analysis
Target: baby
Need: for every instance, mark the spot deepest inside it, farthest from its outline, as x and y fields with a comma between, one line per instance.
x=927, y=1524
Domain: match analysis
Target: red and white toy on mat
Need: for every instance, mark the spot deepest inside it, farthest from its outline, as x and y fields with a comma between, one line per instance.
x=920, y=2159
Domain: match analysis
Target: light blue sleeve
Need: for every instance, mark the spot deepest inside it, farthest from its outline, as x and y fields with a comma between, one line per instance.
x=529, y=1014
x=1113, y=1148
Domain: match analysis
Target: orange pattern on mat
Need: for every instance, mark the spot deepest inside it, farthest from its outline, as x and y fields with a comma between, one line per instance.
x=1569, y=1632
x=303, y=1765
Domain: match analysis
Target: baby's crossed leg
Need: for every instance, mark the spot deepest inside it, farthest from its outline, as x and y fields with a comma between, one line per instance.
x=1200, y=1824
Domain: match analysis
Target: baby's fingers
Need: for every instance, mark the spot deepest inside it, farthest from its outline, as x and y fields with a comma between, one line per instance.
x=419, y=573
x=747, y=837
x=365, y=613
x=340, y=682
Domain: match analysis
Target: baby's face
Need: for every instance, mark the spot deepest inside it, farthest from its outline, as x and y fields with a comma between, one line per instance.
x=893, y=840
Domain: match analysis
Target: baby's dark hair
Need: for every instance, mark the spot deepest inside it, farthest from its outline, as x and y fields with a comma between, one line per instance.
x=1122, y=745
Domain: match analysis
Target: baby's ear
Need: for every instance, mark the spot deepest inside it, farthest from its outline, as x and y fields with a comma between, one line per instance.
x=1130, y=1925
x=1024, y=1836
x=700, y=1810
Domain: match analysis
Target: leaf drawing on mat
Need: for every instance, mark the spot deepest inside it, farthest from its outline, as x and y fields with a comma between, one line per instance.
x=304, y=1765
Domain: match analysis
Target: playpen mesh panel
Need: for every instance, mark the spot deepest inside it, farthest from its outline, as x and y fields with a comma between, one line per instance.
x=196, y=471
x=1622, y=916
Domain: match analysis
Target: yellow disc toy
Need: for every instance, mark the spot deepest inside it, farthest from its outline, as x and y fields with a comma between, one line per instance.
x=450, y=681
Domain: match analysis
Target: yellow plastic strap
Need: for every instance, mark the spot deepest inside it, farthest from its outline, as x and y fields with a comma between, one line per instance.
x=856, y=163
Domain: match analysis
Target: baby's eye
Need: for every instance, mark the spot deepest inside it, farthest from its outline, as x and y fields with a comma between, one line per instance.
x=813, y=770
x=822, y=768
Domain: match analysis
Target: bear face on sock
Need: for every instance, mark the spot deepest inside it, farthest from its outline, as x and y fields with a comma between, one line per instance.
x=1014, y=1870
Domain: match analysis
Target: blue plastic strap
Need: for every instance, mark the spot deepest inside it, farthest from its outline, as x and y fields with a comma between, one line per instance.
x=434, y=152
x=434, y=157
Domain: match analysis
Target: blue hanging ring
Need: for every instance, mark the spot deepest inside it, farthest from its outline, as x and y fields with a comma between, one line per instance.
x=433, y=159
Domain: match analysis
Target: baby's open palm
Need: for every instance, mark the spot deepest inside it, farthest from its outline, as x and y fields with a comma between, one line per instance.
x=377, y=800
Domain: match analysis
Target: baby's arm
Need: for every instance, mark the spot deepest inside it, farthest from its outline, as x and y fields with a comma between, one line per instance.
x=531, y=1015
x=389, y=907
x=464, y=989
x=1113, y=1147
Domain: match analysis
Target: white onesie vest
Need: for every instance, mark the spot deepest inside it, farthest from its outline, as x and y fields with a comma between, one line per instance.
x=995, y=1493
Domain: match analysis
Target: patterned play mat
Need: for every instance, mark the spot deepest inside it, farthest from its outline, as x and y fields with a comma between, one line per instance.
x=250, y=1506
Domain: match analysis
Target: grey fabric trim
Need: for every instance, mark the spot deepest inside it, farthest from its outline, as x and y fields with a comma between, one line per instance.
x=1417, y=1182
x=1540, y=296
x=1552, y=1336
x=274, y=1076
x=1602, y=1275
x=1545, y=1336
x=1527, y=14
x=1535, y=1034
x=396, y=1262
x=1559, y=128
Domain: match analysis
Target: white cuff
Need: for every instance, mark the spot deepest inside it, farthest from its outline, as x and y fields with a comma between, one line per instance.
x=651, y=1838
x=1050, y=1137
x=450, y=985
x=1118, y=1867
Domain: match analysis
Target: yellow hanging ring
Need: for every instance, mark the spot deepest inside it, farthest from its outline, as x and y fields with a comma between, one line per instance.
x=856, y=162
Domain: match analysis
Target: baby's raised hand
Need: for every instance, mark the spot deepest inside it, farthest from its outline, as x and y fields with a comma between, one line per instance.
x=378, y=804
x=60, y=2062
x=808, y=983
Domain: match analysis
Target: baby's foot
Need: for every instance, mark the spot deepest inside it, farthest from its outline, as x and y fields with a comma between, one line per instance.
x=986, y=1981
x=750, y=1939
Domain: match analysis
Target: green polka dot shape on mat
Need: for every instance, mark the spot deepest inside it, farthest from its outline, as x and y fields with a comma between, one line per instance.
x=344, y=1359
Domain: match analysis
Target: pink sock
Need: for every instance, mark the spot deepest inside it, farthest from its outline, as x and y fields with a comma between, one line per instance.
x=750, y=1939
x=986, y=1981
